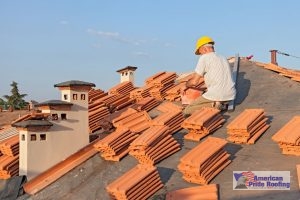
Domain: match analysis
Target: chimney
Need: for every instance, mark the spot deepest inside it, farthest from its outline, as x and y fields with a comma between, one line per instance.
x=273, y=57
x=127, y=74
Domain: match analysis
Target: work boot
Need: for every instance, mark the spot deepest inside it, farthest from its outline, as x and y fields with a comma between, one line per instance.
x=220, y=106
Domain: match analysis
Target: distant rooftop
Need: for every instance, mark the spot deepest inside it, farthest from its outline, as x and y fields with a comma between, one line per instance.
x=53, y=103
x=74, y=83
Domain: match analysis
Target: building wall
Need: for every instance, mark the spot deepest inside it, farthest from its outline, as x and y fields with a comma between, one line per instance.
x=23, y=152
x=32, y=158
x=64, y=138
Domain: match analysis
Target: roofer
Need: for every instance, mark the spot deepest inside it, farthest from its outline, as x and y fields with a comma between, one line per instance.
x=217, y=75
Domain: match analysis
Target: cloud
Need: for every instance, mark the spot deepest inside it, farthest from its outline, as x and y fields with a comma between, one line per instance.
x=113, y=36
x=169, y=45
x=97, y=46
x=141, y=54
x=63, y=22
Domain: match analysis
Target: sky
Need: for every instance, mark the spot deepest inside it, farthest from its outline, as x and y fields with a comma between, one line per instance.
x=43, y=43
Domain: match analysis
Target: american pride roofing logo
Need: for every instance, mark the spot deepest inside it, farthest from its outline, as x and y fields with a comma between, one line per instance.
x=261, y=180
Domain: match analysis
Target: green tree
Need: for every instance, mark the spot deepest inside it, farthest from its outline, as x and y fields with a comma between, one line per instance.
x=3, y=104
x=15, y=100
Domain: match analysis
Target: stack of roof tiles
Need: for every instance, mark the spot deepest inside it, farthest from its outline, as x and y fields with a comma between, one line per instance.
x=106, y=123
x=202, y=122
x=115, y=146
x=150, y=79
x=9, y=157
x=247, y=127
x=118, y=96
x=102, y=104
x=135, y=122
x=140, y=182
x=95, y=94
x=122, y=102
x=288, y=137
x=171, y=119
x=96, y=114
x=140, y=93
x=173, y=94
x=146, y=104
x=205, y=192
x=205, y=161
x=160, y=92
x=10, y=146
x=161, y=84
x=97, y=108
x=153, y=145
x=124, y=115
x=122, y=88
x=171, y=116
x=169, y=107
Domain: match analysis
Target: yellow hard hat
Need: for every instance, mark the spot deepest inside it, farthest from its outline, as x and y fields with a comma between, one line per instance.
x=202, y=41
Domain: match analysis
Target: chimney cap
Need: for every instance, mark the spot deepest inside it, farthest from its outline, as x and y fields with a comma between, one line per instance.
x=128, y=68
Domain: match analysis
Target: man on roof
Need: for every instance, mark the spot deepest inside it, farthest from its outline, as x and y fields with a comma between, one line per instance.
x=217, y=75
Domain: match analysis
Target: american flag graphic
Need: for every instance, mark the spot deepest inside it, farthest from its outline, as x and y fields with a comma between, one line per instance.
x=250, y=177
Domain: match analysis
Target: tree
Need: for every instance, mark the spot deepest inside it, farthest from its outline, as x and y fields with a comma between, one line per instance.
x=15, y=100
x=3, y=104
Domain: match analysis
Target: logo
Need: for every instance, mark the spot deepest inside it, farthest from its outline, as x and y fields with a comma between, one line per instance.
x=261, y=180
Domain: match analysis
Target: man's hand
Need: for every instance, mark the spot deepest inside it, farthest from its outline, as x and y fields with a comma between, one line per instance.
x=191, y=83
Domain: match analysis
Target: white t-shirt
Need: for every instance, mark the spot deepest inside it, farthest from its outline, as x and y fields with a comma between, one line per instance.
x=217, y=76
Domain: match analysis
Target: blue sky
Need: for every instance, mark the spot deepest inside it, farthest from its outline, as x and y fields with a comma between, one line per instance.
x=46, y=42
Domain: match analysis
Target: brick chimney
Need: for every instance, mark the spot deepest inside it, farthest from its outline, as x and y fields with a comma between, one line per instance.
x=273, y=57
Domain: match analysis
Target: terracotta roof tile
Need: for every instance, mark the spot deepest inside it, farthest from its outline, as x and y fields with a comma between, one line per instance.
x=134, y=122
x=168, y=107
x=155, y=76
x=138, y=183
x=115, y=145
x=153, y=145
x=146, y=104
x=247, y=127
x=172, y=119
x=202, y=122
x=293, y=74
x=10, y=146
x=140, y=93
x=95, y=94
x=288, y=137
x=9, y=166
x=122, y=88
x=204, y=161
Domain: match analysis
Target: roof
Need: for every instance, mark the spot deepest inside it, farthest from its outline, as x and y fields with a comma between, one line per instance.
x=74, y=83
x=257, y=88
x=54, y=103
x=126, y=69
x=32, y=123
